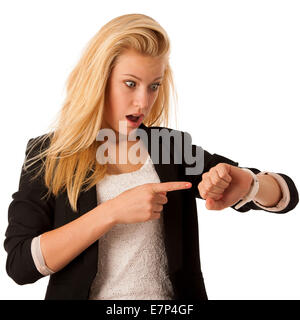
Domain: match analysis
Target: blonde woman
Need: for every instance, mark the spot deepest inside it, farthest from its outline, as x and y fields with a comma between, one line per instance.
x=124, y=230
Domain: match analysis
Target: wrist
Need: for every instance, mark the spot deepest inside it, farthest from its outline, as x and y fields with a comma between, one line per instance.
x=258, y=196
x=107, y=210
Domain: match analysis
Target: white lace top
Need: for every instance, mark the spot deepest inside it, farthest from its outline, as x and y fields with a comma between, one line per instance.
x=132, y=259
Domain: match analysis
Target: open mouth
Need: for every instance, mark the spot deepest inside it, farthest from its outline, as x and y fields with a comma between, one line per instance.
x=133, y=118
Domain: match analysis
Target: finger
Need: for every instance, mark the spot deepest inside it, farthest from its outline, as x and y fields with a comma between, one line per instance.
x=209, y=194
x=217, y=181
x=213, y=195
x=211, y=204
x=161, y=199
x=163, y=193
x=171, y=186
x=155, y=215
x=223, y=173
x=157, y=208
x=210, y=187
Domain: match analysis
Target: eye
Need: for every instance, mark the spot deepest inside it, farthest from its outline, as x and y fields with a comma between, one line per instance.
x=130, y=82
x=155, y=86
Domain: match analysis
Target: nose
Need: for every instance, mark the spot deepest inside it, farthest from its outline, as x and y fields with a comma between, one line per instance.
x=141, y=100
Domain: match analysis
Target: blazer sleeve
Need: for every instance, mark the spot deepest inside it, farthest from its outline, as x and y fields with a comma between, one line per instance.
x=29, y=215
x=210, y=160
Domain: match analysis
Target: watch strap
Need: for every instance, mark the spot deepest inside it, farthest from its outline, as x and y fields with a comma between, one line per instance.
x=252, y=192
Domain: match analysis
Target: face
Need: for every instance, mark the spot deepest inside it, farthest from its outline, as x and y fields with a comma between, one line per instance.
x=132, y=89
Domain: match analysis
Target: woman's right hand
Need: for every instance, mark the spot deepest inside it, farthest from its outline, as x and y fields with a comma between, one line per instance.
x=144, y=202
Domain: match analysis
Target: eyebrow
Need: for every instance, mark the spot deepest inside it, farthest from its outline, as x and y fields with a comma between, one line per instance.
x=127, y=74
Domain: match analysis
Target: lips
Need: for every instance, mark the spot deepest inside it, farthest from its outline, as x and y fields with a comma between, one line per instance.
x=132, y=118
x=135, y=118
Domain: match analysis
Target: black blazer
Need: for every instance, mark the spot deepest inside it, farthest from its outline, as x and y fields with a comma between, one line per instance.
x=30, y=216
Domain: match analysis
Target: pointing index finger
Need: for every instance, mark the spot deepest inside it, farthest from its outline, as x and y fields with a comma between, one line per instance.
x=171, y=186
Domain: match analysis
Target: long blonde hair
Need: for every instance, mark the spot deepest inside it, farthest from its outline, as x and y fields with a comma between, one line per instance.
x=71, y=153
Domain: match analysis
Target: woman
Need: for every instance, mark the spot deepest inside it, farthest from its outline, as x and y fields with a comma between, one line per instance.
x=115, y=229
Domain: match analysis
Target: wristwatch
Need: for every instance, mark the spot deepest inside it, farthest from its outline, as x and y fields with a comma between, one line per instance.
x=252, y=192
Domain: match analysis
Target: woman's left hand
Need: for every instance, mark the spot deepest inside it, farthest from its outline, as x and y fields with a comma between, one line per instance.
x=224, y=185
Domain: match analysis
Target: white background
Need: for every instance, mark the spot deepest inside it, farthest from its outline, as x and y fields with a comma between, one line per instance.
x=236, y=66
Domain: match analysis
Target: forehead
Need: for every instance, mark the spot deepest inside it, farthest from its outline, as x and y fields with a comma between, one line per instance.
x=130, y=61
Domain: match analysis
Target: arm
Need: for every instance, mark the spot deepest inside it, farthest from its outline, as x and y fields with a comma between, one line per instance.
x=29, y=215
x=225, y=185
x=287, y=187
x=62, y=245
